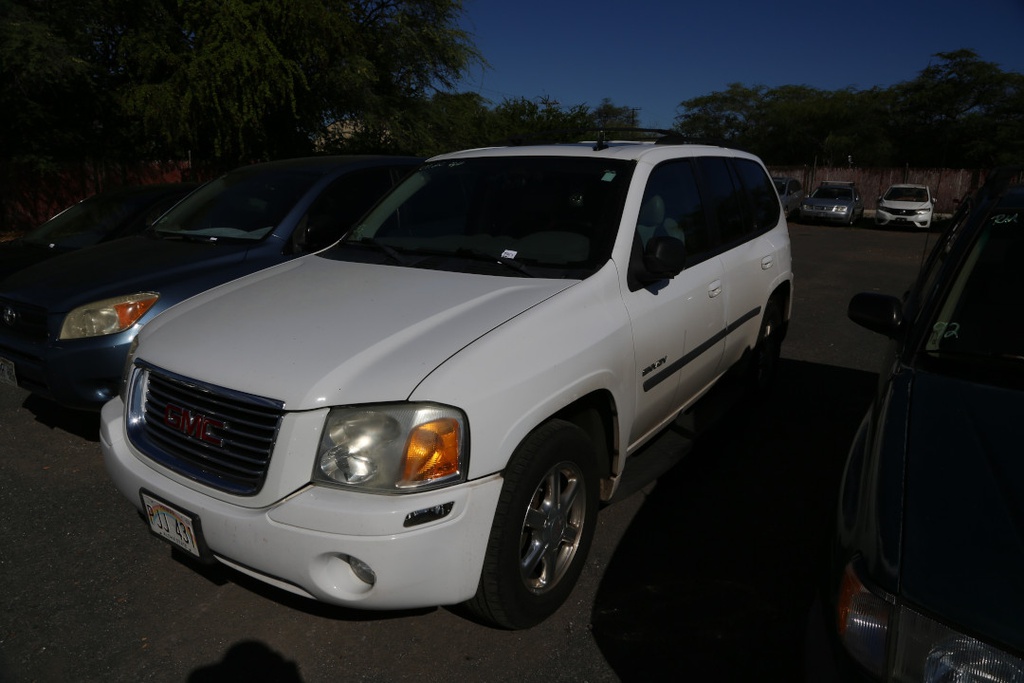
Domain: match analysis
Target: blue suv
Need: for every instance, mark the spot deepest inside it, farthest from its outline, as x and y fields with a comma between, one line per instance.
x=66, y=324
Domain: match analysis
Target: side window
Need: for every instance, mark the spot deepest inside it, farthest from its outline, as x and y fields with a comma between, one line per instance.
x=672, y=207
x=724, y=198
x=764, y=202
x=340, y=205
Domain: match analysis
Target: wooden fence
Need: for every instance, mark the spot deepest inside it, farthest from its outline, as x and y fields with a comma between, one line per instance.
x=29, y=199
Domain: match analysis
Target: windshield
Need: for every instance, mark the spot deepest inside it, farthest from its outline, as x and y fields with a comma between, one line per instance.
x=833, y=193
x=543, y=216
x=237, y=206
x=980, y=317
x=88, y=221
x=906, y=194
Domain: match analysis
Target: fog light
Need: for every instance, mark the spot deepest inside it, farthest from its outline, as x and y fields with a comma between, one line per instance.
x=361, y=570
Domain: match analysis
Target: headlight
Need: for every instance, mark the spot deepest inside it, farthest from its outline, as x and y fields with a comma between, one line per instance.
x=840, y=208
x=108, y=316
x=396, y=448
x=863, y=622
x=897, y=643
x=923, y=212
x=927, y=651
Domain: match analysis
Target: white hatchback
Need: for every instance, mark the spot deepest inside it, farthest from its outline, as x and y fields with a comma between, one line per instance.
x=910, y=205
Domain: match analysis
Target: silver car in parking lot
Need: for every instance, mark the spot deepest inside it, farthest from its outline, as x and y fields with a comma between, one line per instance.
x=834, y=202
x=791, y=192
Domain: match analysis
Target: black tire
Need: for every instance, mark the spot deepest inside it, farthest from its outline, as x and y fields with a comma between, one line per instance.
x=768, y=351
x=542, y=529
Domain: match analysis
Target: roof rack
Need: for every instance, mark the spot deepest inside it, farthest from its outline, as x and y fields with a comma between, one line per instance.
x=658, y=136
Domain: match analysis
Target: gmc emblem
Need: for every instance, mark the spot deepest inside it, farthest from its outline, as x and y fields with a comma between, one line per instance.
x=192, y=424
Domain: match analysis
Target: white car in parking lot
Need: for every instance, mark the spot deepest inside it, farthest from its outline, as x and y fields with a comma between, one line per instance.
x=910, y=205
x=430, y=411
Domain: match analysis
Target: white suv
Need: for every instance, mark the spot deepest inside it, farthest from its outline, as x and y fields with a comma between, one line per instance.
x=431, y=411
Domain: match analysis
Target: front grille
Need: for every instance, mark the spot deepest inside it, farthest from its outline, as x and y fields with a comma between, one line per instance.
x=215, y=436
x=23, y=320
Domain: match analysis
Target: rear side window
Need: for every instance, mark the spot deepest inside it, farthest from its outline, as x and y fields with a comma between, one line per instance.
x=724, y=199
x=764, y=201
x=740, y=196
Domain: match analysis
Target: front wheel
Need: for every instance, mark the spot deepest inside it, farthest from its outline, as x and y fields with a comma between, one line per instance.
x=542, y=529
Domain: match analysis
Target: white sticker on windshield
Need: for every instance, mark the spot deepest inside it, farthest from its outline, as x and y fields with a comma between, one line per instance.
x=509, y=253
x=608, y=176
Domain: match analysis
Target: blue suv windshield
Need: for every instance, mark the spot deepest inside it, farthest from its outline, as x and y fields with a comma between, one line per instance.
x=243, y=206
x=979, y=318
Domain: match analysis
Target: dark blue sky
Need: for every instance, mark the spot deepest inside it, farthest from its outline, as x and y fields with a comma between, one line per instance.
x=654, y=54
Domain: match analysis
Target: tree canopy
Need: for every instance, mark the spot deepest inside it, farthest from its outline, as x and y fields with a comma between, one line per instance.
x=236, y=81
x=228, y=82
x=960, y=111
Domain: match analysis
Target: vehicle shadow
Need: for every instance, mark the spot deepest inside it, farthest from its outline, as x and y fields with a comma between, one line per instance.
x=80, y=423
x=717, y=576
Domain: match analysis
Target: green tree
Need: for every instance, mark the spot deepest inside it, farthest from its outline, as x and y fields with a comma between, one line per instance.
x=47, y=90
x=960, y=110
x=226, y=82
x=727, y=116
x=545, y=119
x=608, y=115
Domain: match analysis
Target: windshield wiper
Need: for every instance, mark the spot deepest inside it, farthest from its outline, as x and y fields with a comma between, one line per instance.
x=974, y=355
x=183, y=236
x=386, y=249
x=509, y=263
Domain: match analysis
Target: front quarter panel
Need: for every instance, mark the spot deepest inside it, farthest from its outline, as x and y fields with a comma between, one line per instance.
x=512, y=379
x=872, y=490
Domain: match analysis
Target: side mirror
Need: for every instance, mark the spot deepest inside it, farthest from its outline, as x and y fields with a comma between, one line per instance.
x=877, y=312
x=664, y=258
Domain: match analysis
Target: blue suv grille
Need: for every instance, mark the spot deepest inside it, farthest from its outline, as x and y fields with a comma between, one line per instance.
x=23, y=320
x=215, y=436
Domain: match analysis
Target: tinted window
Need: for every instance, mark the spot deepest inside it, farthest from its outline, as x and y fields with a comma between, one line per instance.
x=543, y=212
x=976, y=321
x=764, y=203
x=339, y=206
x=672, y=207
x=723, y=198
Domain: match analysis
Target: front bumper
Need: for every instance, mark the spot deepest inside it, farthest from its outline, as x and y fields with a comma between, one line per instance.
x=302, y=542
x=82, y=373
x=824, y=214
x=883, y=217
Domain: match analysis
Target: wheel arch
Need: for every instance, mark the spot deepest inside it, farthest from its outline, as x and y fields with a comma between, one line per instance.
x=596, y=414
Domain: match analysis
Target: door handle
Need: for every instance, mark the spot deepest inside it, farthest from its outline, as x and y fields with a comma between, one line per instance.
x=714, y=289
x=767, y=262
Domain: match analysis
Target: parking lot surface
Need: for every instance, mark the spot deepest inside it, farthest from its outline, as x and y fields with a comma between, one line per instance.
x=708, y=574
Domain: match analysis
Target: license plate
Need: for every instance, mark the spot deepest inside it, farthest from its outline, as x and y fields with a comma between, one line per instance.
x=170, y=523
x=7, y=375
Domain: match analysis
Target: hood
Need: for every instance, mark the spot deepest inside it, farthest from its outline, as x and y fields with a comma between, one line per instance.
x=963, y=551
x=18, y=255
x=316, y=332
x=123, y=266
x=906, y=206
x=821, y=201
